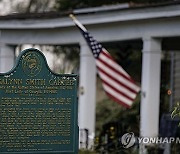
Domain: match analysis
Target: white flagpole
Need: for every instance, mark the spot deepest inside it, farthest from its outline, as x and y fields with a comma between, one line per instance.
x=77, y=22
x=87, y=94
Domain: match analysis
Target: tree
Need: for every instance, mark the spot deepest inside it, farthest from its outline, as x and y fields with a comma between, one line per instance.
x=34, y=6
x=69, y=57
x=76, y=4
x=25, y=6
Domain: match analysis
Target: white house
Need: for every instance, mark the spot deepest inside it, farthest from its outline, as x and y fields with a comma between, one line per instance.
x=157, y=26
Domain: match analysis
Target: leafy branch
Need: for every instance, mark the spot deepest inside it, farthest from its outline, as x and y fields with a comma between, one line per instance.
x=176, y=111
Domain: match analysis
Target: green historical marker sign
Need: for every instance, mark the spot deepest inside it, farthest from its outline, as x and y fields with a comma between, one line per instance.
x=38, y=108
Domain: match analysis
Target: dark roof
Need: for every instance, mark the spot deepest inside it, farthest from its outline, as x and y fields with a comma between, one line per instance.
x=53, y=14
x=42, y=15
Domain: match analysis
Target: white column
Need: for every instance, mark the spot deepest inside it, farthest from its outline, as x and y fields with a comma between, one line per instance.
x=7, y=57
x=87, y=91
x=150, y=98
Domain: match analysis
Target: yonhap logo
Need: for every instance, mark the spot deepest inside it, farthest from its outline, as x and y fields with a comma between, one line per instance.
x=128, y=140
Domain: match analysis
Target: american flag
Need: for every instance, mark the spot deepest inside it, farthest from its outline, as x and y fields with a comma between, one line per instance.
x=117, y=83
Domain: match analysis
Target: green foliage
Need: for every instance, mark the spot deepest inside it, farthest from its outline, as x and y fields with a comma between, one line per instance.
x=127, y=120
x=176, y=111
x=154, y=149
x=86, y=152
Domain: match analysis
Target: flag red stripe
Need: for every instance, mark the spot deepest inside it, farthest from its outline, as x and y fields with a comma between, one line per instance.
x=120, y=92
x=118, y=82
x=117, y=100
x=112, y=68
